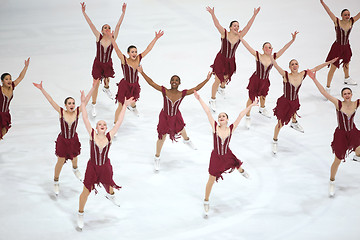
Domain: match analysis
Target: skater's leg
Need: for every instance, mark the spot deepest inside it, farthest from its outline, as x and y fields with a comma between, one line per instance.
x=83, y=198
x=334, y=168
x=74, y=162
x=58, y=168
x=95, y=92
x=262, y=101
x=106, y=82
x=330, y=75
x=346, y=70
x=159, y=145
x=209, y=186
x=184, y=135
x=214, y=87
x=248, y=103
x=277, y=130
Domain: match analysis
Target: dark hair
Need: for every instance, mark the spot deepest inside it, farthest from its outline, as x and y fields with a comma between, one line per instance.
x=130, y=47
x=225, y=114
x=174, y=76
x=233, y=22
x=292, y=60
x=66, y=99
x=345, y=88
x=344, y=10
x=4, y=75
x=104, y=26
x=265, y=44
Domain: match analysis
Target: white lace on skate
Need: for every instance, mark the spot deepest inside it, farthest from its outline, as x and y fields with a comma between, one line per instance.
x=356, y=158
x=350, y=81
x=296, y=126
x=274, y=146
x=206, y=207
x=248, y=122
x=113, y=199
x=157, y=163
x=93, y=110
x=133, y=110
x=221, y=91
x=108, y=93
x=56, y=188
x=212, y=104
x=245, y=174
x=189, y=143
x=77, y=173
x=263, y=111
x=80, y=220
x=331, y=188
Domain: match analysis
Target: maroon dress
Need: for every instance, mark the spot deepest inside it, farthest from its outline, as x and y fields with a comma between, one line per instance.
x=67, y=143
x=99, y=169
x=5, y=117
x=222, y=159
x=341, y=46
x=103, y=66
x=259, y=82
x=128, y=86
x=224, y=63
x=288, y=104
x=170, y=119
x=346, y=135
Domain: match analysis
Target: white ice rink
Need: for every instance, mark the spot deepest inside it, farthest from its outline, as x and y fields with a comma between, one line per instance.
x=286, y=197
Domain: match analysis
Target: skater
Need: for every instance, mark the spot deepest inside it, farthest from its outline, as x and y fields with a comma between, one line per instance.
x=99, y=169
x=346, y=135
x=7, y=92
x=224, y=65
x=67, y=143
x=222, y=160
x=288, y=104
x=170, y=118
x=341, y=46
x=103, y=66
x=259, y=82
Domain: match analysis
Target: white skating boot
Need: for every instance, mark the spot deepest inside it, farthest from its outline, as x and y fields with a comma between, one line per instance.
x=245, y=174
x=80, y=220
x=108, y=93
x=56, y=187
x=221, y=91
x=77, y=174
x=206, y=207
x=134, y=110
x=212, y=103
x=113, y=199
x=349, y=81
x=248, y=122
x=332, y=188
x=189, y=143
x=296, y=126
x=356, y=158
x=263, y=111
x=274, y=146
x=157, y=163
x=93, y=109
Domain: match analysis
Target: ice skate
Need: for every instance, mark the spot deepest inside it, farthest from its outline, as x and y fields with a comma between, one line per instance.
x=221, y=91
x=356, y=158
x=274, y=146
x=80, y=220
x=134, y=110
x=244, y=174
x=108, y=93
x=263, y=111
x=349, y=81
x=56, y=188
x=212, y=103
x=189, y=143
x=77, y=174
x=297, y=127
x=206, y=208
x=157, y=163
x=331, y=188
x=113, y=199
x=248, y=122
x=93, y=109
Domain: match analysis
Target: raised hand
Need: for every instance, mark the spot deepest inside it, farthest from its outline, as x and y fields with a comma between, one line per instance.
x=159, y=34
x=124, y=7
x=129, y=101
x=83, y=7
x=27, y=62
x=209, y=75
x=293, y=35
x=82, y=96
x=333, y=60
x=256, y=11
x=210, y=10
x=38, y=85
x=140, y=69
x=196, y=95
x=311, y=74
x=255, y=103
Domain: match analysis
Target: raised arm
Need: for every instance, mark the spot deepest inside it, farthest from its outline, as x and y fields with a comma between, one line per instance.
x=317, y=68
x=243, y=113
x=47, y=96
x=293, y=35
x=84, y=113
x=148, y=79
x=117, y=28
x=152, y=43
x=206, y=109
x=88, y=96
x=200, y=85
x=116, y=47
x=329, y=12
x=92, y=27
x=357, y=16
x=334, y=100
x=248, y=25
x=216, y=21
x=23, y=72
x=278, y=68
x=247, y=46
x=127, y=102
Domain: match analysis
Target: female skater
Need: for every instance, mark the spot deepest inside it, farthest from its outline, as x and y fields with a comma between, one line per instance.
x=103, y=66
x=99, y=169
x=259, y=82
x=129, y=85
x=7, y=89
x=222, y=159
x=67, y=143
x=224, y=65
x=346, y=135
x=288, y=104
x=170, y=118
x=341, y=46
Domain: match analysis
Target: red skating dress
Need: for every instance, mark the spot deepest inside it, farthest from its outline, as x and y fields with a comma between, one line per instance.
x=170, y=118
x=224, y=63
x=341, y=46
x=288, y=104
x=222, y=159
x=259, y=82
x=67, y=143
x=103, y=66
x=346, y=135
x=128, y=86
x=5, y=117
x=99, y=169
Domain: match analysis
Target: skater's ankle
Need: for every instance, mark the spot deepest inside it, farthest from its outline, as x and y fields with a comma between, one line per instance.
x=56, y=179
x=275, y=139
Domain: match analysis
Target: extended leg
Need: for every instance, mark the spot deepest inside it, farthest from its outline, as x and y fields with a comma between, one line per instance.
x=330, y=75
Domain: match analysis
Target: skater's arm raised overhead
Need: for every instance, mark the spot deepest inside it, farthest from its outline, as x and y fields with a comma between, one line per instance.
x=148, y=79
x=206, y=109
x=251, y=21
x=200, y=85
x=329, y=12
x=92, y=27
x=118, y=123
x=88, y=96
x=317, y=68
x=216, y=21
x=332, y=99
x=152, y=43
x=293, y=37
x=243, y=113
x=117, y=28
x=84, y=113
x=23, y=72
x=247, y=46
x=116, y=47
x=47, y=96
x=278, y=68
x=357, y=17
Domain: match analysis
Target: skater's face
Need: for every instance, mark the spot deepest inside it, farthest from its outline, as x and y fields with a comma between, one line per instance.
x=132, y=53
x=234, y=26
x=345, y=15
x=7, y=81
x=223, y=118
x=101, y=126
x=294, y=65
x=175, y=82
x=70, y=104
x=346, y=94
x=106, y=28
x=267, y=48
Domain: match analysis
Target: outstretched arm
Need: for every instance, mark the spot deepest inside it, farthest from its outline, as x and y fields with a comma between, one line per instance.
x=206, y=109
x=293, y=35
x=88, y=96
x=278, y=68
x=356, y=17
x=243, y=113
x=84, y=113
x=117, y=28
x=152, y=43
x=317, y=68
x=149, y=80
x=23, y=72
x=92, y=27
x=216, y=21
x=247, y=46
x=200, y=85
x=47, y=96
x=248, y=25
x=334, y=100
x=127, y=102
x=329, y=12
x=116, y=47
